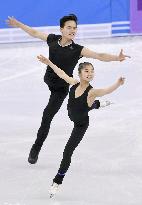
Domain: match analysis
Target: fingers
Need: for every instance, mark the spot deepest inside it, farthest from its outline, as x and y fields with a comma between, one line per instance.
x=41, y=57
x=122, y=78
x=10, y=17
x=121, y=51
x=127, y=56
x=9, y=20
x=38, y=57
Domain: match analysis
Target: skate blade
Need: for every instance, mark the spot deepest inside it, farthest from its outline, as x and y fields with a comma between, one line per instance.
x=51, y=196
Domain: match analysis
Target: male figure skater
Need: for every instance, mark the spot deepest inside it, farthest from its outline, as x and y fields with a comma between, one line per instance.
x=65, y=53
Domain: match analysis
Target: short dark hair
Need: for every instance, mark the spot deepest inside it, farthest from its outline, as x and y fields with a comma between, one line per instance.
x=70, y=17
x=83, y=65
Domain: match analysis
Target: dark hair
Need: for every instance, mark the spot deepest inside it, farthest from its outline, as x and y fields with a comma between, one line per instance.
x=83, y=65
x=70, y=17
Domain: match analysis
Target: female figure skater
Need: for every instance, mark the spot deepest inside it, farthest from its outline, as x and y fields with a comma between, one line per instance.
x=81, y=98
x=65, y=54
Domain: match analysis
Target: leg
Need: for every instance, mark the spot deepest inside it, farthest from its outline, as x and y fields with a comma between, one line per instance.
x=100, y=104
x=75, y=138
x=55, y=102
x=96, y=105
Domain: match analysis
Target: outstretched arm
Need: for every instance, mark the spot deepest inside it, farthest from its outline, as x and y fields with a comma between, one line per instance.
x=11, y=21
x=57, y=70
x=104, y=91
x=103, y=56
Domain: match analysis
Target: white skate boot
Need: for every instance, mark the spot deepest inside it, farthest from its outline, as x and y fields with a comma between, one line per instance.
x=105, y=103
x=54, y=189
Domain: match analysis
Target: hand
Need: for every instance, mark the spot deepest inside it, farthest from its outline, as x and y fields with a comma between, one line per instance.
x=44, y=60
x=122, y=56
x=121, y=80
x=76, y=81
x=11, y=21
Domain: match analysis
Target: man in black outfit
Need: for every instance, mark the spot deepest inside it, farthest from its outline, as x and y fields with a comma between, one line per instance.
x=64, y=53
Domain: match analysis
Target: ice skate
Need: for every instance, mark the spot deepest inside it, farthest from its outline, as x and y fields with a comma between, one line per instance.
x=53, y=189
x=105, y=103
x=33, y=156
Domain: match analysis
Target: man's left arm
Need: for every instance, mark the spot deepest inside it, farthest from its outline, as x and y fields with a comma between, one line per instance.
x=103, y=56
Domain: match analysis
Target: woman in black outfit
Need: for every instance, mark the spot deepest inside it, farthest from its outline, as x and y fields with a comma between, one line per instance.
x=64, y=53
x=81, y=98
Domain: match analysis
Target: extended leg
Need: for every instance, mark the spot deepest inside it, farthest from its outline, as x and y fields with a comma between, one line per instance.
x=75, y=138
x=55, y=102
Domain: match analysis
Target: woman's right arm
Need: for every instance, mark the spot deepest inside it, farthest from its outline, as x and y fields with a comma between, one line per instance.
x=58, y=70
x=11, y=21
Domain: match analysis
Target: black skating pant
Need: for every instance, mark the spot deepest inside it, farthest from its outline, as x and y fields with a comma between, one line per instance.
x=55, y=101
x=74, y=140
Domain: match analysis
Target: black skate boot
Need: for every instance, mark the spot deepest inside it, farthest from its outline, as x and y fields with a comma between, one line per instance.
x=33, y=156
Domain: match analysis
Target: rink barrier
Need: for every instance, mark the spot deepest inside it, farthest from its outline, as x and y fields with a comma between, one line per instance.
x=14, y=35
x=120, y=28
x=85, y=31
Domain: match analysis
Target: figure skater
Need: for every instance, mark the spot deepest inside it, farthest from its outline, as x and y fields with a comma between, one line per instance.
x=65, y=53
x=81, y=98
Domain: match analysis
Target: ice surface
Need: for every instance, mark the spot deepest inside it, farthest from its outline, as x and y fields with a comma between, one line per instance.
x=106, y=168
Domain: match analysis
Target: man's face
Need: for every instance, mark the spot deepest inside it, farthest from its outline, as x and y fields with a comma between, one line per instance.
x=69, y=30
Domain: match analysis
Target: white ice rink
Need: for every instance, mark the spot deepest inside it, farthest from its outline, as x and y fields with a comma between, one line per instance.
x=106, y=168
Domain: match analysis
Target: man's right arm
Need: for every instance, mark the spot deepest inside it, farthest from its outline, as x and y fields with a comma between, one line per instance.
x=11, y=21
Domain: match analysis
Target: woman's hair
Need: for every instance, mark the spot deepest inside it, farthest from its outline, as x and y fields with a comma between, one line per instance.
x=70, y=17
x=83, y=65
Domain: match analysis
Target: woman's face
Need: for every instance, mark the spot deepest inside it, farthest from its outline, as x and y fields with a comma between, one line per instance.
x=69, y=30
x=87, y=73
